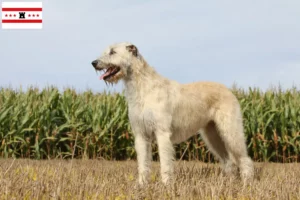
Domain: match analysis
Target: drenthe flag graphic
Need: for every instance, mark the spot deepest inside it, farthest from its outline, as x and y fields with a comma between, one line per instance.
x=22, y=15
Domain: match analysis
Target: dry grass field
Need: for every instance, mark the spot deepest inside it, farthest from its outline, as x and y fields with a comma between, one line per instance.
x=97, y=179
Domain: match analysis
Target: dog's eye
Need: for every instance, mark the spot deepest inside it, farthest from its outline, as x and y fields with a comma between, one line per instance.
x=112, y=52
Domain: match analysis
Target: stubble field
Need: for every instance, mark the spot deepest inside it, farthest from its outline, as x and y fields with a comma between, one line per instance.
x=98, y=179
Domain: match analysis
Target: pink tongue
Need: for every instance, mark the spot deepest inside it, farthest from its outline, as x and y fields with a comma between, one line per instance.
x=105, y=74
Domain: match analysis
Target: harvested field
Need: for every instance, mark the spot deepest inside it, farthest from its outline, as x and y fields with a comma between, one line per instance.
x=97, y=179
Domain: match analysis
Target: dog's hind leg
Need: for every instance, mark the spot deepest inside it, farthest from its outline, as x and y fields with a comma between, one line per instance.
x=216, y=145
x=230, y=127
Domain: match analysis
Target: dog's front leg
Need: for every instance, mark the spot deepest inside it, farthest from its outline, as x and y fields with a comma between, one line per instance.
x=166, y=155
x=144, y=157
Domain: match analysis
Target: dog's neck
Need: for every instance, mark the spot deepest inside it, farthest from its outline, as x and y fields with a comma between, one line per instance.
x=142, y=79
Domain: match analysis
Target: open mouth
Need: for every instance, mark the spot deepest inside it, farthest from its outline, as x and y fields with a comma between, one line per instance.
x=110, y=72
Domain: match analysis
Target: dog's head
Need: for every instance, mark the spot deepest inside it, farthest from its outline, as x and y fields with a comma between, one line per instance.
x=116, y=61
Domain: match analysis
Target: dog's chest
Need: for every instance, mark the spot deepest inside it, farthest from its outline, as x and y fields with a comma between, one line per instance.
x=146, y=118
x=142, y=121
x=150, y=111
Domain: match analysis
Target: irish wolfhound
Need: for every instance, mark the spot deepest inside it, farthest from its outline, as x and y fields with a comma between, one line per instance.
x=171, y=112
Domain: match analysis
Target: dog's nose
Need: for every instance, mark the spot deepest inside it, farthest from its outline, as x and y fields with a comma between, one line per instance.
x=94, y=63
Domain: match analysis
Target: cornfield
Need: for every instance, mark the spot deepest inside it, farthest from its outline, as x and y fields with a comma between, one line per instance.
x=48, y=123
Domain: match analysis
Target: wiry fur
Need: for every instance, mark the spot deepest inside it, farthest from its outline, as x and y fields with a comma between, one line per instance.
x=171, y=112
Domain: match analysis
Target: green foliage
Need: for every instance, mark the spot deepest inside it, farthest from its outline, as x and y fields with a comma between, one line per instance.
x=50, y=124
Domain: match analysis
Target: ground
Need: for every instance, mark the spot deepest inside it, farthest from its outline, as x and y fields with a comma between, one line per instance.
x=98, y=179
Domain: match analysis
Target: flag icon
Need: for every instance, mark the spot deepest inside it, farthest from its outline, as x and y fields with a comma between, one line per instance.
x=22, y=15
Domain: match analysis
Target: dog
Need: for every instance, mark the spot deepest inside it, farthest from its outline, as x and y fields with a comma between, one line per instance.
x=169, y=112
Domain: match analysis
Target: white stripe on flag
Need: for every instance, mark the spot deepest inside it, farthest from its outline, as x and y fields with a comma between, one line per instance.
x=21, y=4
x=4, y=13
x=22, y=26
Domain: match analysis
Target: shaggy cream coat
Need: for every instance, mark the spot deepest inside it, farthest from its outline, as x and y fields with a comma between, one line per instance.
x=171, y=112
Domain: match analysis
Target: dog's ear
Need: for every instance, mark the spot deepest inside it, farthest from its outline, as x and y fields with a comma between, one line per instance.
x=132, y=49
